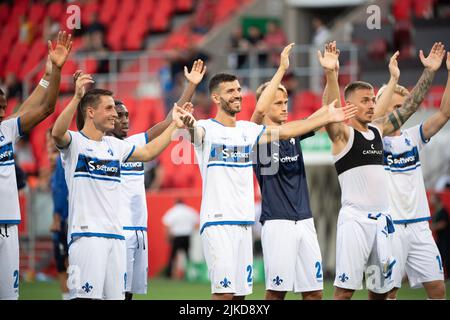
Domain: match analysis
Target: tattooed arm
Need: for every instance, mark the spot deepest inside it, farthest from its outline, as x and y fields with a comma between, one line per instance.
x=394, y=120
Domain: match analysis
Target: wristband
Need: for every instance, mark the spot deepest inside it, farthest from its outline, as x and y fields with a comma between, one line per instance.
x=44, y=83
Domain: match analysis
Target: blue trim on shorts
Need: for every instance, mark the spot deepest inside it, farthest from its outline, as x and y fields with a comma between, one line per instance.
x=95, y=234
x=412, y=220
x=215, y=223
x=135, y=228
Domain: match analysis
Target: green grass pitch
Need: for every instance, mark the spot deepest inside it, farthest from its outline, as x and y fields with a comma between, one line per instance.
x=162, y=289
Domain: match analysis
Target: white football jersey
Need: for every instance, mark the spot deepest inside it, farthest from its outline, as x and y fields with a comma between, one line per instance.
x=92, y=170
x=407, y=194
x=133, y=205
x=10, y=132
x=225, y=163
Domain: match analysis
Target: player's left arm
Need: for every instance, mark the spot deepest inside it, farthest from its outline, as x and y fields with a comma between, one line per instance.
x=330, y=114
x=268, y=95
x=432, y=125
x=394, y=120
x=153, y=148
x=385, y=99
x=193, y=79
x=58, y=57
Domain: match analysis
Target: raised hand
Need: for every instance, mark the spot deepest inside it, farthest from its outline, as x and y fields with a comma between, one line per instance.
x=197, y=72
x=341, y=114
x=393, y=66
x=434, y=59
x=330, y=58
x=284, y=56
x=81, y=80
x=59, y=54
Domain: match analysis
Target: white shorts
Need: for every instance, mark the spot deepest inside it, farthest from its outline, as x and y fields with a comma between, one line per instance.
x=137, y=261
x=357, y=255
x=292, y=259
x=97, y=268
x=417, y=255
x=229, y=257
x=9, y=262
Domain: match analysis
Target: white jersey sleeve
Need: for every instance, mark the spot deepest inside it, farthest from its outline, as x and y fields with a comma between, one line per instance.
x=416, y=135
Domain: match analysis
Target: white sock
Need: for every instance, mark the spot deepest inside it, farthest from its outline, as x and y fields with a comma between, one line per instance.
x=436, y=299
x=391, y=299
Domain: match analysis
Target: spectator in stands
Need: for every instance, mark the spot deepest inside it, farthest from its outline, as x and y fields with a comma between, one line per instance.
x=321, y=32
x=50, y=28
x=13, y=87
x=441, y=225
x=274, y=41
x=95, y=25
x=238, y=43
x=25, y=31
x=180, y=221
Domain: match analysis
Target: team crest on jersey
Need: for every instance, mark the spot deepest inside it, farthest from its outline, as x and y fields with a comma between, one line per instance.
x=2, y=138
x=292, y=141
x=110, y=152
x=408, y=142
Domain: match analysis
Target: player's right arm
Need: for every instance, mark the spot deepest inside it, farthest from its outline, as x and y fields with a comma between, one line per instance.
x=394, y=120
x=338, y=132
x=432, y=125
x=268, y=95
x=60, y=133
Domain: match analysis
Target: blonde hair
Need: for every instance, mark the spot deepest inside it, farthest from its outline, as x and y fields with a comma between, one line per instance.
x=262, y=87
x=400, y=90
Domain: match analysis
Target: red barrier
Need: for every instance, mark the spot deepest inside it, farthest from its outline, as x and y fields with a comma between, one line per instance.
x=158, y=203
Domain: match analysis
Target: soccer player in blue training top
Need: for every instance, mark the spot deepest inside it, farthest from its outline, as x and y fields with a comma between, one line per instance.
x=292, y=258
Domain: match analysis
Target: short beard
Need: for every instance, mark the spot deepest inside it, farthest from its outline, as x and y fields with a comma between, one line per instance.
x=226, y=107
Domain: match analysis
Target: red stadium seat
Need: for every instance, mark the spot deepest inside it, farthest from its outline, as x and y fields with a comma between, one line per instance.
x=36, y=14
x=38, y=52
x=4, y=12
x=306, y=102
x=184, y=5
x=401, y=9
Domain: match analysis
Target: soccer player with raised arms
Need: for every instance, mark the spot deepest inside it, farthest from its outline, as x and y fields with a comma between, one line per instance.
x=364, y=244
x=414, y=247
x=35, y=109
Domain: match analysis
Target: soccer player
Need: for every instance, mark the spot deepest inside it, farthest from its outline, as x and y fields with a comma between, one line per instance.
x=35, y=109
x=133, y=206
x=363, y=243
x=292, y=258
x=92, y=163
x=223, y=148
x=413, y=245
